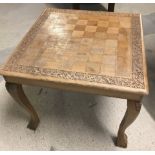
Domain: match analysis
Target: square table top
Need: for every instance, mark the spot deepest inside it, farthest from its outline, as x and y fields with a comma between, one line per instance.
x=91, y=48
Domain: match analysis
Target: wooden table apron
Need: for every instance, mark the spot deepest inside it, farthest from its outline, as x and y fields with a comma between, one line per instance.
x=91, y=79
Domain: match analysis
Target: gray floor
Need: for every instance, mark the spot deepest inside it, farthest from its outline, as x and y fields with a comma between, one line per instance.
x=72, y=121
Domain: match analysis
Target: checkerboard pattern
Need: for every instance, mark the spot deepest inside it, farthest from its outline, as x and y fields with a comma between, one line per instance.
x=81, y=43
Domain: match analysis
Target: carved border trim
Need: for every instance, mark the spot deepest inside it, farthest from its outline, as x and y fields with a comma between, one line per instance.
x=137, y=80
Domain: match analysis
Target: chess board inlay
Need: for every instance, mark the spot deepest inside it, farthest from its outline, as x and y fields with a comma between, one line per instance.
x=98, y=47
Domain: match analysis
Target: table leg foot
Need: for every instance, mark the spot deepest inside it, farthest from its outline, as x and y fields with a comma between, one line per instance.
x=122, y=140
x=133, y=109
x=33, y=124
x=16, y=91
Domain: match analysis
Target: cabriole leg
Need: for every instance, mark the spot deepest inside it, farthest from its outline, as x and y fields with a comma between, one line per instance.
x=133, y=109
x=16, y=91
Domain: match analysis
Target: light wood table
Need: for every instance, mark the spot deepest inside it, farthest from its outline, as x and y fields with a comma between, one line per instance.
x=93, y=52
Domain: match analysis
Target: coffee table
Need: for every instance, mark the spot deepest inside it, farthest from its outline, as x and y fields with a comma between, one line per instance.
x=93, y=52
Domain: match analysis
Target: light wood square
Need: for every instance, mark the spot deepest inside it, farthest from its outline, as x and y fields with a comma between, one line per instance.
x=69, y=54
x=111, y=36
x=122, y=37
x=77, y=34
x=113, y=18
x=125, y=25
x=53, y=65
x=57, y=30
x=98, y=42
x=113, y=30
x=100, y=35
x=82, y=22
x=109, y=59
x=91, y=28
x=123, y=52
x=108, y=69
x=69, y=27
x=109, y=43
x=95, y=58
x=83, y=52
x=123, y=44
x=87, y=41
x=61, y=22
x=72, y=21
x=84, y=48
x=92, y=67
x=97, y=50
x=68, y=64
x=103, y=23
x=79, y=66
x=125, y=22
x=114, y=24
x=111, y=51
x=82, y=57
x=73, y=47
x=123, y=67
x=74, y=41
x=49, y=52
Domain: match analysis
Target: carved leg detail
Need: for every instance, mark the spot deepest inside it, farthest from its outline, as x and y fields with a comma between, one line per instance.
x=16, y=91
x=133, y=109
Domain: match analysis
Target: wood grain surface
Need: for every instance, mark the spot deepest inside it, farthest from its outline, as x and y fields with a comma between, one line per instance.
x=99, y=49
